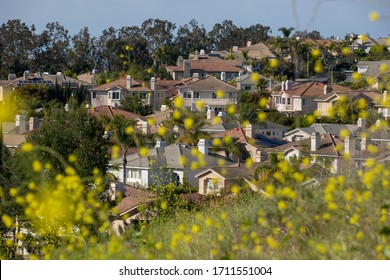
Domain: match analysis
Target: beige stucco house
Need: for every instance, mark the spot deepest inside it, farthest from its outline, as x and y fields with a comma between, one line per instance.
x=208, y=90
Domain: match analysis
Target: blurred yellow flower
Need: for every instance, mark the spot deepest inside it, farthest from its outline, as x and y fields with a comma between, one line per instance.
x=374, y=16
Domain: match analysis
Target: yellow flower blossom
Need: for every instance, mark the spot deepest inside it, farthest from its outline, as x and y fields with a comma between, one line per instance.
x=27, y=147
x=37, y=166
x=374, y=16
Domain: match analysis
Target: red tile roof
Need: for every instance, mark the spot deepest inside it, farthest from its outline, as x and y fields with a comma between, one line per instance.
x=313, y=89
x=111, y=112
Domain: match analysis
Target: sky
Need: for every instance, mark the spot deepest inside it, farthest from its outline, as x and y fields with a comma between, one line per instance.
x=329, y=17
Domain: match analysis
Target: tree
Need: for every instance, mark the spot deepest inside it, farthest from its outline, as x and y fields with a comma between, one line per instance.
x=224, y=35
x=73, y=132
x=125, y=135
x=157, y=33
x=109, y=50
x=16, y=47
x=51, y=52
x=81, y=55
x=133, y=104
x=190, y=38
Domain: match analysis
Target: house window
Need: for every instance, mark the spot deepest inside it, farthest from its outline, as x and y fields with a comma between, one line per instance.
x=212, y=184
x=187, y=95
x=94, y=94
x=247, y=88
x=196, y=95
x=143, y=95
x=134, y=174
x=303, y=101
x=288, y=101
x=283, y=100
x=113, y=95
x=231, y=95
x=214, y=96
x=277, y=99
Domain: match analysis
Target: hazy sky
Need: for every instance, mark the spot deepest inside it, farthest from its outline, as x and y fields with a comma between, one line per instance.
x=330, y=17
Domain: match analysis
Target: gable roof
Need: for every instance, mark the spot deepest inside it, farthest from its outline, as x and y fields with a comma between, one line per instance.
x=134, y=197
x=324, y=128
x=121, y=83
x=258, y=51
x=169, y=157
x=312, y=89
x=207, y=64
x=371, y=68
x=329, y=146
x=210, y=83
x=235, y=171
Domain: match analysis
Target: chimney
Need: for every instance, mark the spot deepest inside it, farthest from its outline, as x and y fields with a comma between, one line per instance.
x=249, y=130
x=361, y=123
x=202, y=146
x=249, y=43
x=202, y=52
x=145, y=127
x=315, y=141
x=112, y=191
x=385, y=97
x=288, y=85
x=363, y=144
x=153, y=83
x=283, y=85
x=238, y=80
x=186, y=68
x=33, y=123
x=179, y=61
x=25, y=75
x=327, y=89
x=11, y=77
x=223, y=76
x=161, y=144
x=20, y=120
x=347, y=145
x=210, y=114
x=195, y=77
x=129, y=82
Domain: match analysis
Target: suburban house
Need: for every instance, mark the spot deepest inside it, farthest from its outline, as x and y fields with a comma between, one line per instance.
x=250, y=142
x=206, y=90
x=301, y=133
x=299, y=99
x=246, y=82
x=110, y=112
x=204, y=66
x=46, y=79
x=373, y=70
x=266, y=128
x=15, y=133
x=384, y=106
x=365, y=43
x=327, y=101
x=337, y=153
x=164, y=164
x=112, y=93
x=218, y=180
x=254, y=54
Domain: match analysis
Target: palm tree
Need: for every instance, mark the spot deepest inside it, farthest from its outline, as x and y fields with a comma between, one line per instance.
x=125, y=135
x=285, y=42
x=286, y=31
